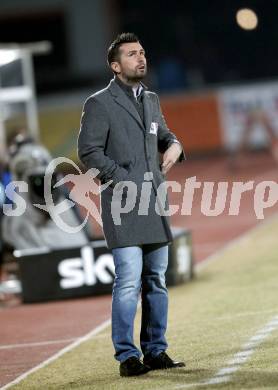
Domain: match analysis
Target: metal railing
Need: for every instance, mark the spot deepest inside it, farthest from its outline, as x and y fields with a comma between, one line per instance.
x=25, y=93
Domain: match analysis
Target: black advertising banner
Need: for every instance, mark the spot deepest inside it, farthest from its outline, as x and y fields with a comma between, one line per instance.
x=89, y=270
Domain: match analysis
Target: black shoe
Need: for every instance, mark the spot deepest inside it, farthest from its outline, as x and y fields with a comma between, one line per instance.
x=161, y=361
x=132, y=367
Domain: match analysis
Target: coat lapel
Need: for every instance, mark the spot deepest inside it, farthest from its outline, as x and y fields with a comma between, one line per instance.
x=147, y=111
x=121, y=98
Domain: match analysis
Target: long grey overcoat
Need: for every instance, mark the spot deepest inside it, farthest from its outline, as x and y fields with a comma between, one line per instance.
x=114, y=139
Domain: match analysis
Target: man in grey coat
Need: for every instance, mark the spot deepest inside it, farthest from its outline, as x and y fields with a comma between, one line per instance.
x=122, y=133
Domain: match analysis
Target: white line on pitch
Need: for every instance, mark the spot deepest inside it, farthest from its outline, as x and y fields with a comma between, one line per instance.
x=37, y=344
x=47, y=342
x=234, y=364
x=68, y=348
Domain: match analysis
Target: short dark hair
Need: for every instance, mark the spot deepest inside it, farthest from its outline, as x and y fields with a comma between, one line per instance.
x=113, y=51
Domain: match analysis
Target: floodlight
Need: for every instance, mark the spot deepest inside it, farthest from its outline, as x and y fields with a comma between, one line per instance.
x=7, y=56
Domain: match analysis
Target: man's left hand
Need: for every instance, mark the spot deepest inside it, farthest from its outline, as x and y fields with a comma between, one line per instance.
x=170, y=156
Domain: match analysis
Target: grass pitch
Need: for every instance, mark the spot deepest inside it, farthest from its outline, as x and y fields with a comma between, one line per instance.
x=210, y=319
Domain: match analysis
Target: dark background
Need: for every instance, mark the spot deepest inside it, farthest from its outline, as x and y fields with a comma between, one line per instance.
x=198, y=42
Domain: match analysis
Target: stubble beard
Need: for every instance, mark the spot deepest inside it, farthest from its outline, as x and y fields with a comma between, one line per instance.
x=136, y=77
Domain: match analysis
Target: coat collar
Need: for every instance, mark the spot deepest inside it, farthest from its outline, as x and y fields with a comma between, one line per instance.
x=121, y=98
x=130, y=91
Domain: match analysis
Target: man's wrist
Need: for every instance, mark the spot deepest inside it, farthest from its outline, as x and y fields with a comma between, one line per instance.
x=176, y=142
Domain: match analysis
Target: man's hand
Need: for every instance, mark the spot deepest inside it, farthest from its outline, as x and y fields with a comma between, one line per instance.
x=170, y=157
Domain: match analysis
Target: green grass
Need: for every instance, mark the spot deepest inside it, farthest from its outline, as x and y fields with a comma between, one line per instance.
x=209, y=321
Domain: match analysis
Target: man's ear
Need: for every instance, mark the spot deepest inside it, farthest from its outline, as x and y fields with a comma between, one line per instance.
x=115, y=66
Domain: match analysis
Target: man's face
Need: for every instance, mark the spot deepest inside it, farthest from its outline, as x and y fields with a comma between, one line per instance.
x=132, y=64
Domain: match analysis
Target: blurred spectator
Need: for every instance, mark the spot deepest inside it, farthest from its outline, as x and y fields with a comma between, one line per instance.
x=4, y=180
x=2, y=199
x=34, y=228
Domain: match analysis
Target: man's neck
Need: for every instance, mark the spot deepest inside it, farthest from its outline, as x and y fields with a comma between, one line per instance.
x=129, y=83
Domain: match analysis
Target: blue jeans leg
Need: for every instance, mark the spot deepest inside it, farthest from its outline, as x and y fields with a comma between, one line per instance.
x=154, y=299
x=126, y=290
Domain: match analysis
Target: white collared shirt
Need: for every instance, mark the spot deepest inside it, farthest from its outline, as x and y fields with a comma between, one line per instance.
x=137, y=90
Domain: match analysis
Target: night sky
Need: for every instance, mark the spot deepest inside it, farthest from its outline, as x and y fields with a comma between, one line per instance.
x=204, y=34
x=202, y=38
